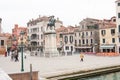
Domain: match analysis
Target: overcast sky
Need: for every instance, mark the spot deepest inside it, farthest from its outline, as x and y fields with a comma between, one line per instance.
x=71, y=12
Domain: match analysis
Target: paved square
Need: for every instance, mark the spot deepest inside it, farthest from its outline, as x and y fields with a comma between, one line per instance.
x=57, y=65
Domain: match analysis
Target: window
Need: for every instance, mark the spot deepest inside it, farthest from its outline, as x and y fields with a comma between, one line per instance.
x=91, y=33
x=37, y=43
x=114, y=20
x=91, y=41
x=79, y=41
x=75, y=34
x=118, y=4
x=35, y=30
x=113, y=40
x=86, y=33
x=71, y=39
x=75, y=42
x=86, y=41
x=82, y=34
x=66, y=39
x=119, y=28
x=83, y=41
x=103, y=40
x=67, y=48
x=103, y=32
x=41, y=36
x=112, y=31
x=2, y=42
x=118, y=15
x=71, y=48
x=61, y=35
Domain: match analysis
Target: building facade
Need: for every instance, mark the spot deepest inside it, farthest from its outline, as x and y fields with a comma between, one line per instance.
x=118, y=24
x=108, y=35
x=16, y=37
x=86, y=36
x=36, y=29
x=65, y=40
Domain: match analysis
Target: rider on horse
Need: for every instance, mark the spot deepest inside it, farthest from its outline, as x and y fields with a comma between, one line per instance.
x=51, y=22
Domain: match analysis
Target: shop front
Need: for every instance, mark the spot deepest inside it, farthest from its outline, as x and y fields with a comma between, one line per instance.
x=108, y=48
x=83, y=49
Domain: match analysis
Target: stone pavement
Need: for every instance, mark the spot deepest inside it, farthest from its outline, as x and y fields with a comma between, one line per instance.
x=57, y=65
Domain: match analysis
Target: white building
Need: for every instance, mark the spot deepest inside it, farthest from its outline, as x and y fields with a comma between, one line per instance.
x=36, y=29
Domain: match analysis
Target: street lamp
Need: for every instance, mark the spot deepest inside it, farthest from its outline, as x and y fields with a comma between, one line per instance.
x=28, y=45
x=22, y=64
x=14, y=42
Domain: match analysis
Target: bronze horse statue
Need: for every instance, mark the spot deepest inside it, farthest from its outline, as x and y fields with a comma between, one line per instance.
x=51, y=22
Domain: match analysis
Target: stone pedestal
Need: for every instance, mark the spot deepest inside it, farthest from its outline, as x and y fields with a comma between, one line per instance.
x=50, y=44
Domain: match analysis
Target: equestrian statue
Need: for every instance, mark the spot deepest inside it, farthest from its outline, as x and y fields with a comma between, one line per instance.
x=51, y=22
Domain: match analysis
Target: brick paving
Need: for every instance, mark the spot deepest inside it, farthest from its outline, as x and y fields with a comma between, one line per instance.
x=57, y=65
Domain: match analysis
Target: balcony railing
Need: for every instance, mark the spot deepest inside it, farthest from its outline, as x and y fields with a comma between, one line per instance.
x=34, y=38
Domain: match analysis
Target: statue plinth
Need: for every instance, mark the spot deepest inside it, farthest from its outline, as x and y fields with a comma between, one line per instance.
x=50, y=43
x=50, y=31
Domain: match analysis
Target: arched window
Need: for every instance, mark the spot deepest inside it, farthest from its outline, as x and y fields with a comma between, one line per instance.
x=66, y=39
x=71, y=39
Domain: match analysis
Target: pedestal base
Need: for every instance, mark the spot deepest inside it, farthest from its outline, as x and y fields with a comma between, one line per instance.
x=51, y=54
x=50, y=44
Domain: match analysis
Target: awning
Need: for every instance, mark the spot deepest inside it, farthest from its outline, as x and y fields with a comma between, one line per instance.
x=84, y=47
x=110, y=46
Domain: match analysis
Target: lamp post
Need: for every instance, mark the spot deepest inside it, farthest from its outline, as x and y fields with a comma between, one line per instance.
x=28, y=45
x=22, y=64
x=14, y=42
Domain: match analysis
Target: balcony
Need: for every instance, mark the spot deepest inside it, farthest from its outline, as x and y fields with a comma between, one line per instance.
x=34, y=39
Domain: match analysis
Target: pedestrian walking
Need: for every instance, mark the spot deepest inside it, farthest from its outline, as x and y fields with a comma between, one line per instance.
x=5, y=53
x=25, y=56
x=16, y=55
x=81, y=57
x=8, y=51
x=12, y=55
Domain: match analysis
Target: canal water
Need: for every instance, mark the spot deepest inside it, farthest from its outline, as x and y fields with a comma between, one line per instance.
x=110, y=76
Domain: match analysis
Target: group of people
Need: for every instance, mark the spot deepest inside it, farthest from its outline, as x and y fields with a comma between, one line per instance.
x=14, y=55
